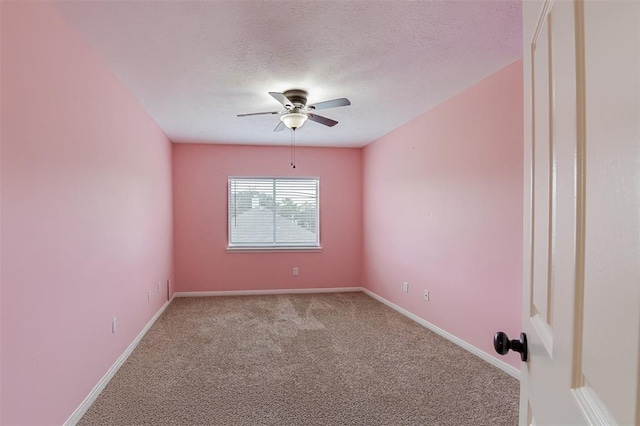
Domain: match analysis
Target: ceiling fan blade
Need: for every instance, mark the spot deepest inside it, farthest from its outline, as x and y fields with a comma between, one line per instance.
x=279, y=127
x=258, y=113
x=280, y=97
x=322, y=120
x=330, y=104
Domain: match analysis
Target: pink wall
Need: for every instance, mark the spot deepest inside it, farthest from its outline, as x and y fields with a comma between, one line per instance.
x=200, y=218
x=443, y=210
x=86, y=216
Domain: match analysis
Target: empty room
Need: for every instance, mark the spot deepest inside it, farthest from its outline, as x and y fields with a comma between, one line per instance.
x=320, y=213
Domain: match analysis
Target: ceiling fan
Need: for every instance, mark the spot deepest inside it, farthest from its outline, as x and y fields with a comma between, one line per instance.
x=297, y=111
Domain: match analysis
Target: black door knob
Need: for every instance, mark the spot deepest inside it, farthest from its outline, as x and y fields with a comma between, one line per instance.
x=502, y=344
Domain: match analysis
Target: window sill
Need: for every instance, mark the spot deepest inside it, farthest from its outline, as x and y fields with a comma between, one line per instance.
x=274, y=249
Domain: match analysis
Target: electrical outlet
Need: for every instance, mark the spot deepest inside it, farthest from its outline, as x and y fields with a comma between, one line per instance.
x=159, y=285
x=295, y=271
x=114, y=325
x=405, y=287
x=149, y=296
x=426, y=295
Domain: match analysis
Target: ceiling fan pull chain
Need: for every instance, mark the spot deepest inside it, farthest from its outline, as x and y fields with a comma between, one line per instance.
x=293, y=134
x=291, y=149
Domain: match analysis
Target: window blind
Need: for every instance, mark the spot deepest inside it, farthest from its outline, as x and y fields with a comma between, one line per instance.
x=273, y=212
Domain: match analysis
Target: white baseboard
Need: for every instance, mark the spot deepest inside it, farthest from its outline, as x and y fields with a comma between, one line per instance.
x=266, y=292
x=512, y=371
x=84, y=406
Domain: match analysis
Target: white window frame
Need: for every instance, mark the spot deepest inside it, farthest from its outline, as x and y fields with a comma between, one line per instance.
x=285, y=247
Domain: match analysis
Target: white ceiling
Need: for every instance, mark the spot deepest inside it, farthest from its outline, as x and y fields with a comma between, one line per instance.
x=194, y=65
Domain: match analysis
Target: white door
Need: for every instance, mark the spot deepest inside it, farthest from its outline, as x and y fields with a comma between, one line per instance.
x=581, y=310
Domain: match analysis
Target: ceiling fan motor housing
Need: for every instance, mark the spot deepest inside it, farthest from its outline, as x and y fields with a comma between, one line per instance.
x=297, y=97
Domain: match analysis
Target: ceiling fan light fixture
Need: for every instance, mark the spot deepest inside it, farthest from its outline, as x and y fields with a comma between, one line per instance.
x=293, y=120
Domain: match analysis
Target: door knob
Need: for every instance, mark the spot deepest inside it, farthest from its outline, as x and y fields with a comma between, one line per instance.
x=502, y=344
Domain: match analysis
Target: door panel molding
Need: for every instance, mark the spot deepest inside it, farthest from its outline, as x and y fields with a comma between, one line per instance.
x=546, y=9
x=543, y=175
x=544, y=332
x=581, y=132
x=593, y=409
x=542, y=169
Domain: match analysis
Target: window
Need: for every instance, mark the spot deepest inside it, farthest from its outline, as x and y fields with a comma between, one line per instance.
x=273, y=213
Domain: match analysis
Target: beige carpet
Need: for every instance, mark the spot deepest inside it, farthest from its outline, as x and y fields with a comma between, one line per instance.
x=322, y=359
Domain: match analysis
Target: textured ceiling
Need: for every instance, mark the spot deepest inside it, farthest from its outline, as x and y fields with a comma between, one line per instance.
x=195, y=65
